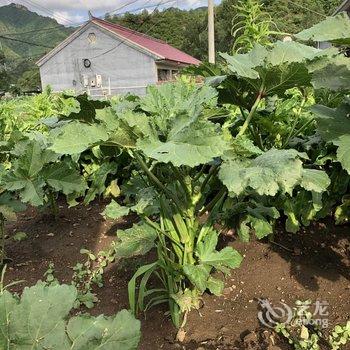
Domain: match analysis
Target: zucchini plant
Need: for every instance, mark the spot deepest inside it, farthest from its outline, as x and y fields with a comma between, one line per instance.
x=172, y=145
x=185, y=168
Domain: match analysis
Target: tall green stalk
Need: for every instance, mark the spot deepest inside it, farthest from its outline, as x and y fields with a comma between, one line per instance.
x=179, y=231
x=53, y=204
x=2, y=240
x=252, y=112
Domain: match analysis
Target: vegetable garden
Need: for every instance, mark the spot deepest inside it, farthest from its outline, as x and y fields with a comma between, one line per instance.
x=197, y=178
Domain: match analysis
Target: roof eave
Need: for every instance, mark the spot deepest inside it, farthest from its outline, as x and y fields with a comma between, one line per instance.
x=177, y=62
x=345, y=5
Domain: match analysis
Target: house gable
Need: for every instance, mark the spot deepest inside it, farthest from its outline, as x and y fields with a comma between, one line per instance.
x=91, y=26
x=114, y=66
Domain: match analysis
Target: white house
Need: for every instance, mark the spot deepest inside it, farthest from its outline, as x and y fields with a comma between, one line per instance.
x=103, y=58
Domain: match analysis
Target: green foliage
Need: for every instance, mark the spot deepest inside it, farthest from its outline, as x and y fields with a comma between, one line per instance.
x=334, y=127
x=39, y=319
x=20, y=57
x=241, y=149
x=340, y=336
x=303, y=332
x=269, y=173
x=36, y=172
x=137, y=240
x=90, y=273
x=49, y=275
x=252, y=25
x=334, y=29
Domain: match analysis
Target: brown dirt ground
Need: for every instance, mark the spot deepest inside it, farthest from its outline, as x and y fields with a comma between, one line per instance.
x=311, y=265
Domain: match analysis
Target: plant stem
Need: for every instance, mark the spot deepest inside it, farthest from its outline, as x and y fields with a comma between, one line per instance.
x=256, y=135
x=2, y=240
x=297, y=116
x=211, y=173
x=53, y=204
x=182, y=182
x=153, y=178
x=252, y=112
x=200, y=173
x=212, y=203
x=297, y=132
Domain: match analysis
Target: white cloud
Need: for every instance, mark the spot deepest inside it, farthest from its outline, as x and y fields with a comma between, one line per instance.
x=65, y=17
x=70, y=12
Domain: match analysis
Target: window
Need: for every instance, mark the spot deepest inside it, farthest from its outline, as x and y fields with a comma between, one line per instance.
x=163, y=74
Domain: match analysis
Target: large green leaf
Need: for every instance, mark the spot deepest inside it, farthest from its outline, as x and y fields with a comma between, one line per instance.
x=34, y=169
x=335, y=29
x=62, y=177
x=198, y=275
x=334, y=127
x=315, y=180
x=225, y=258
x=343, y=152
x=7, y=304
x=38, y=321
x=271, y=70
x=30, y=190
x=193, y=145
x=76, y=137
x=176, y=131
x=115, y=211
x=124, y=127
x=274, y=171
x=137, y=240
x=170, y=100
x=331, y=73
x=106, y=333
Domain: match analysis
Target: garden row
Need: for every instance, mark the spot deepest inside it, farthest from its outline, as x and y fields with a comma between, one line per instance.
x=265, y=138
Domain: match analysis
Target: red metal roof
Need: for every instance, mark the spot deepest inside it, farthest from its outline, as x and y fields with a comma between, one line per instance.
x=156, y=46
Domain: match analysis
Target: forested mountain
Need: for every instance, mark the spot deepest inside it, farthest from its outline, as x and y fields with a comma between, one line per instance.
x=186, y=30
x=19, y=30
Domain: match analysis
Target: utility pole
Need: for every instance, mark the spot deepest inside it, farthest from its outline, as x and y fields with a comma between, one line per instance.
x=211, y=32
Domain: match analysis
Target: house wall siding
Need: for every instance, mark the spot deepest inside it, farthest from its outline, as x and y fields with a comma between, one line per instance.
x=123, y=69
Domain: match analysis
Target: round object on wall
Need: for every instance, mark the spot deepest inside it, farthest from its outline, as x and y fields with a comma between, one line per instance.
x=87, y=63
x=92, y=38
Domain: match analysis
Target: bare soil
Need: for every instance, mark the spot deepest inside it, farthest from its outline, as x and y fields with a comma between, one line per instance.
x=314, y=264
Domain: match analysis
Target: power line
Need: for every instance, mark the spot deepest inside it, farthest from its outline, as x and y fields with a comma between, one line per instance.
x=61, y=26
x=133, y=31
x=25, y=42
x=35, y=30
x=48, y=11
x=145, y=7
x=306, y=8
x=123, y=6
x=23, y=58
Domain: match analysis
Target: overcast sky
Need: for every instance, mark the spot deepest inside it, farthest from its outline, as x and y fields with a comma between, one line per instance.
x=69, y=12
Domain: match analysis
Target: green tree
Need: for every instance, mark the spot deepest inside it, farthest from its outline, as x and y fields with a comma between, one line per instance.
x=4, y=77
